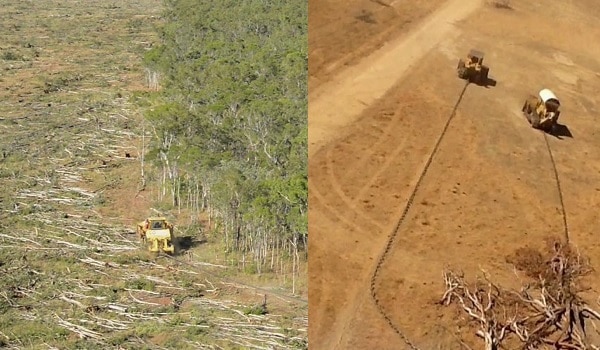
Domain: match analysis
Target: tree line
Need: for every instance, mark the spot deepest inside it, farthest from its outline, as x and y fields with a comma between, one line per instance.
x=231, y=126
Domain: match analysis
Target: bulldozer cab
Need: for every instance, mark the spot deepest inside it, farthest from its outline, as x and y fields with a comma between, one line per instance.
x=475, y=57
x=157, y=223
x=550, y=100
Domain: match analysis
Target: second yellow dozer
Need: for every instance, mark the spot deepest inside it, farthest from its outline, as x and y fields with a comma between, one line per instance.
x=542, y=111
x=158, y=232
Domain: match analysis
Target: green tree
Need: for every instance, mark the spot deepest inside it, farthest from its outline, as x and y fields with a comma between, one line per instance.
x=230, y=134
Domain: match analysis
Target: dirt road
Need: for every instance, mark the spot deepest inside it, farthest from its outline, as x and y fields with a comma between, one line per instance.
x=338, y=102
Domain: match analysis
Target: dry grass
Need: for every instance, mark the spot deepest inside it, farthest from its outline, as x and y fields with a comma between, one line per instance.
x=73, y=277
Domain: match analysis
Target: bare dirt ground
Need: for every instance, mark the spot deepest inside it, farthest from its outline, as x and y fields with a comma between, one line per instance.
x=490, y=189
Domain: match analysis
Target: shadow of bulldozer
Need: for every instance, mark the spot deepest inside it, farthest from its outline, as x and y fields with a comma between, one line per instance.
x=185, y=243
x=560, y=131
x=486, y=83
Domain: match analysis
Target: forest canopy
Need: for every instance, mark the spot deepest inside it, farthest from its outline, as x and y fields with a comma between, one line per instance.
x=232, y=122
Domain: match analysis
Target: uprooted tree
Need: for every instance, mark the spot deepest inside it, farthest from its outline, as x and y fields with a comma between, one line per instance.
x=547, y=313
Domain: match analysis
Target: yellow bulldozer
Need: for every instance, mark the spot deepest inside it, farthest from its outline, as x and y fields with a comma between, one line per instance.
x=542, y=111
x=158, y=232
x=472, y=68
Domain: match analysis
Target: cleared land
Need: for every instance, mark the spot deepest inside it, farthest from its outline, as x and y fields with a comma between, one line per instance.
x=73, y=273
x=490, y=189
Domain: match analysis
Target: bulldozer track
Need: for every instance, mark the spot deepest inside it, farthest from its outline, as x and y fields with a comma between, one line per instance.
x=558, y=186
x=249, y=286
x=351, y=203
x=394, y=235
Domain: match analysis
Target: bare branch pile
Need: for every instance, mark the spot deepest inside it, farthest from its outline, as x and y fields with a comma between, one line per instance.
x=546, y=313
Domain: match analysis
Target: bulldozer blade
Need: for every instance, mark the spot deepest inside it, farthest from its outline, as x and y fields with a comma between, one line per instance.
x=535, y=120
x=167, y=247
x=461, y=69
x=154, y=246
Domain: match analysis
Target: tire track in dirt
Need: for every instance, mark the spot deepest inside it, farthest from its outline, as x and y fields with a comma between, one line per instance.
x=222, y=277
x=321, y=72
x=334, y=211
x=394, y=235
x=391, y=155
x=415, y=182
x=335, y=66
x=348, y=201
x=381, y=170
x=384, y=136
x=346, y=209
x=368, y=153
x=335, y=180
x=359, y=86
x=352, y=202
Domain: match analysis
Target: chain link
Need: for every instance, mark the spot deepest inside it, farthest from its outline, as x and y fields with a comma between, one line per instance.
x=559, y=187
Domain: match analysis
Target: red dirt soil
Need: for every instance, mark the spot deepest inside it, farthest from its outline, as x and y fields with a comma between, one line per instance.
x=490, y=189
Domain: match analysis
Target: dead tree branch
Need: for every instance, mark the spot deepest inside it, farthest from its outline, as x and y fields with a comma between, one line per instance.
x=546, y=312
